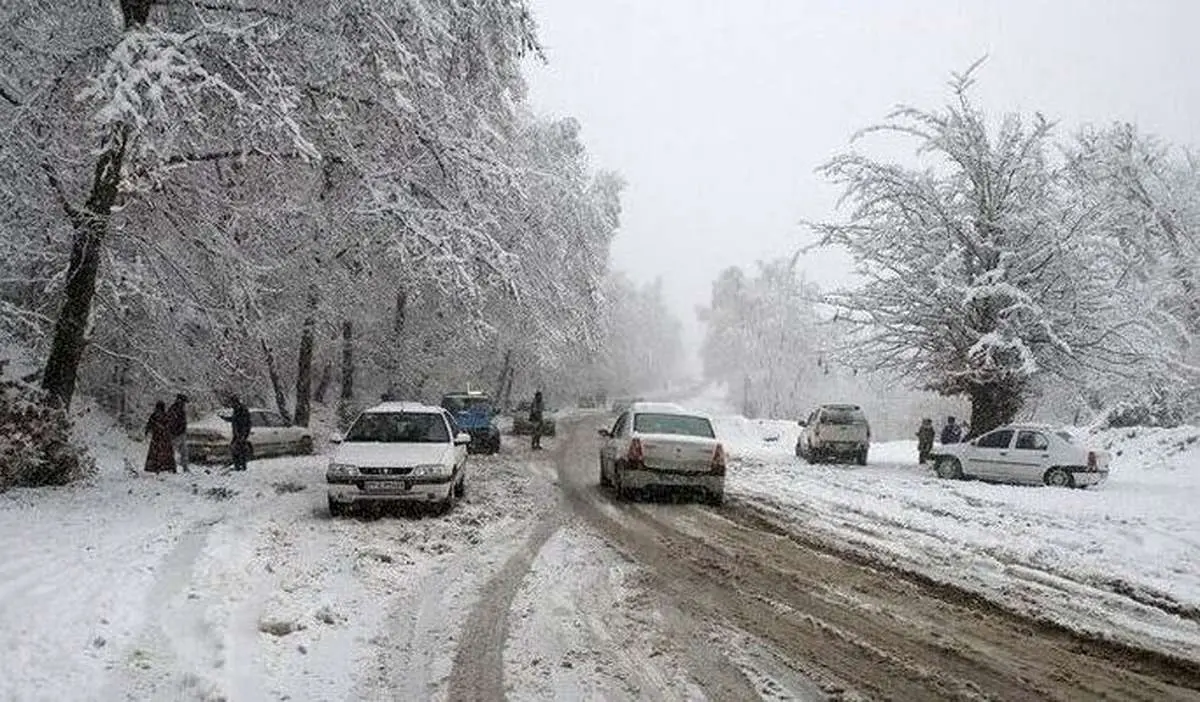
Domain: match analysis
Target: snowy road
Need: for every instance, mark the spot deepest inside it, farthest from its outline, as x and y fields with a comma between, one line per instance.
x=539, y=586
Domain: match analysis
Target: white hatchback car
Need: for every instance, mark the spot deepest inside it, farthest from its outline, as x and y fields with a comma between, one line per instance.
x=1032, y=454
x=399, y=452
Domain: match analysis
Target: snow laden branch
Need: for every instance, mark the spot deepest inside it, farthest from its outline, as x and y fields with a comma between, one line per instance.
x=984, y=272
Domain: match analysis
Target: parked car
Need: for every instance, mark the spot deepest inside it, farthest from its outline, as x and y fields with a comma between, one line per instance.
x=399, y=452
x=655, y=445
x=835, y=432
x=475, y=414
x=271, y=434
x=1032, y=454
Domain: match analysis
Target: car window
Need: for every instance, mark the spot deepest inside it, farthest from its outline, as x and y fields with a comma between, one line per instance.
x=400, y=427
x=259, y=419
x=842, y=415
x=276, y=419
x=475, y=404
x=1000, y=438
x=1032, y=441
x=454, y=428
x=679, y=424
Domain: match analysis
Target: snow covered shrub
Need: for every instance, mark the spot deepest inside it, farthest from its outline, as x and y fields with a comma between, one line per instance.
x=35, y=441
x=1158, y=408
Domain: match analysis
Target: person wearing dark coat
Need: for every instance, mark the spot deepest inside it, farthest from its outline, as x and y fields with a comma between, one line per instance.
x=177, y=420
x=537, y=410
x=924, y=440
x=239, y=448
x=160, y=458
x=952, y=432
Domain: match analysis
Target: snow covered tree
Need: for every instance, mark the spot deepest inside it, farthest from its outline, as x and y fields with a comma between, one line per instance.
x=981, y=270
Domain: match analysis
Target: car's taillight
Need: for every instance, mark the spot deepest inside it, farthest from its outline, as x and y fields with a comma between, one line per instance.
x=717, y=466
x=1091, y=460
x=635, y=455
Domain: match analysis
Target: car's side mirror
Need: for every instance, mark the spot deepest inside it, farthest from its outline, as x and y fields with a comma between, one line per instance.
x=336, y=438
x=802, y=423
x=462, y=439
x=605, y=433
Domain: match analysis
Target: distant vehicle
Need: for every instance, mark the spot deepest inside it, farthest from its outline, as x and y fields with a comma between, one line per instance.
x=475, y=414
x=1031, y=454
x=208, y=438
x=835, y=432
x=656, y=445
x=594, y=401
x=399, y=452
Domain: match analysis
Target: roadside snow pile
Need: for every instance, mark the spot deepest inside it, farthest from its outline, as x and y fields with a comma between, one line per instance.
x=1118, y=560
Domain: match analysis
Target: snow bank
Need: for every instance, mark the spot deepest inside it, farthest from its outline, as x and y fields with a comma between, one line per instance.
x=1118, y=560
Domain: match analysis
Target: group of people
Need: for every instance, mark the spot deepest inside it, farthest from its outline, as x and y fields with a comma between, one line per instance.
x=167, y=429
x=952, y=433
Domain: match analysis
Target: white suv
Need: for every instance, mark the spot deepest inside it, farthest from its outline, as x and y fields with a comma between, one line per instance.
x=835, y=432
x=399, y=452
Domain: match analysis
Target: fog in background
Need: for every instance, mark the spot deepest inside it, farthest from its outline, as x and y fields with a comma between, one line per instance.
x=717, y=113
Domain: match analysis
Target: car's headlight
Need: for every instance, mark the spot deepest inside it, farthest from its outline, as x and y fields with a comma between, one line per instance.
x=431, y=470
x=342, y=469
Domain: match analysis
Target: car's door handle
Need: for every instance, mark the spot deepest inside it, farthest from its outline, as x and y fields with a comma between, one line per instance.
x=1045, y=455
x=1004, y=453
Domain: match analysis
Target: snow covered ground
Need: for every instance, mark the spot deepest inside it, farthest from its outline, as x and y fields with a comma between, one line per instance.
x=206, y=586
x=1118, y=560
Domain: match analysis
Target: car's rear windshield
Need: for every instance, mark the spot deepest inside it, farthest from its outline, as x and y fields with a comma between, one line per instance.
x=842, y=415
x=460, y=403
x=682, y=424
x=400, y=427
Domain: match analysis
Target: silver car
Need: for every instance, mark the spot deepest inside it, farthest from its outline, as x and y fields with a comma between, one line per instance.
x=654, y=445
x=271, y=434
x=1032, y=454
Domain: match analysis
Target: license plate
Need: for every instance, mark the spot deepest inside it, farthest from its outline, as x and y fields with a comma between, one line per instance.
x=386, y=486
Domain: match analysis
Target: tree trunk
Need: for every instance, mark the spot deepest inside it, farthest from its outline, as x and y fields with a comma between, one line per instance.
x=993, y=405
x=304, y=364
x=90, y=227
x=347, y=360
x=505, y=370
x=276, y=383
x=324, y=383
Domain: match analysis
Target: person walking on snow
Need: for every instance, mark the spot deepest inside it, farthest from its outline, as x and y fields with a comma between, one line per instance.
x=924, y=440
x=537, y=411
x=239, y=448
x=160, y=457
x=177, y=420
x=952, y=432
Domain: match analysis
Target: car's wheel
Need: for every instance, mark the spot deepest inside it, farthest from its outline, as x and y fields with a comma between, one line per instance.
x=306, y=446
x=862, y=457
x=715, y=499
x=1059, y=477
x=948, y=467
x=337, y=509
x=460, y=488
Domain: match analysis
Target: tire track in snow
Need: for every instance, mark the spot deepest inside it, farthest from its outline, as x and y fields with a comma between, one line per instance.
x=478, y=672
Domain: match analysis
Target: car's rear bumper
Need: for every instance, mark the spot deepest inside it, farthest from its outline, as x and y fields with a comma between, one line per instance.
x=209, y=451
x=643, y=478
x=353, y=489
x=839, y=448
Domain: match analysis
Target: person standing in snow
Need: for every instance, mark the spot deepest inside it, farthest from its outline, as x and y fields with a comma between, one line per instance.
x=239, y=448
x=924, y=440
x=160, y=457
x=537, y=410
x=952, y=432
x=177, y=420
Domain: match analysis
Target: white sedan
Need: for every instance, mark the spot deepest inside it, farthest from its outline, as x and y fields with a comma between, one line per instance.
x=399, y=452
x=1031, y=454
x=271, y=434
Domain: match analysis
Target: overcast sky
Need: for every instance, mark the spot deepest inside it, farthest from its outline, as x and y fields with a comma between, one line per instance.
x=717, y=112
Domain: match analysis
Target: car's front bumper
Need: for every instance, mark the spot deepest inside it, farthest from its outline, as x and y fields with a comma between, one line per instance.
x=1087, y=478
x=209, y=451
x=386, y=488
